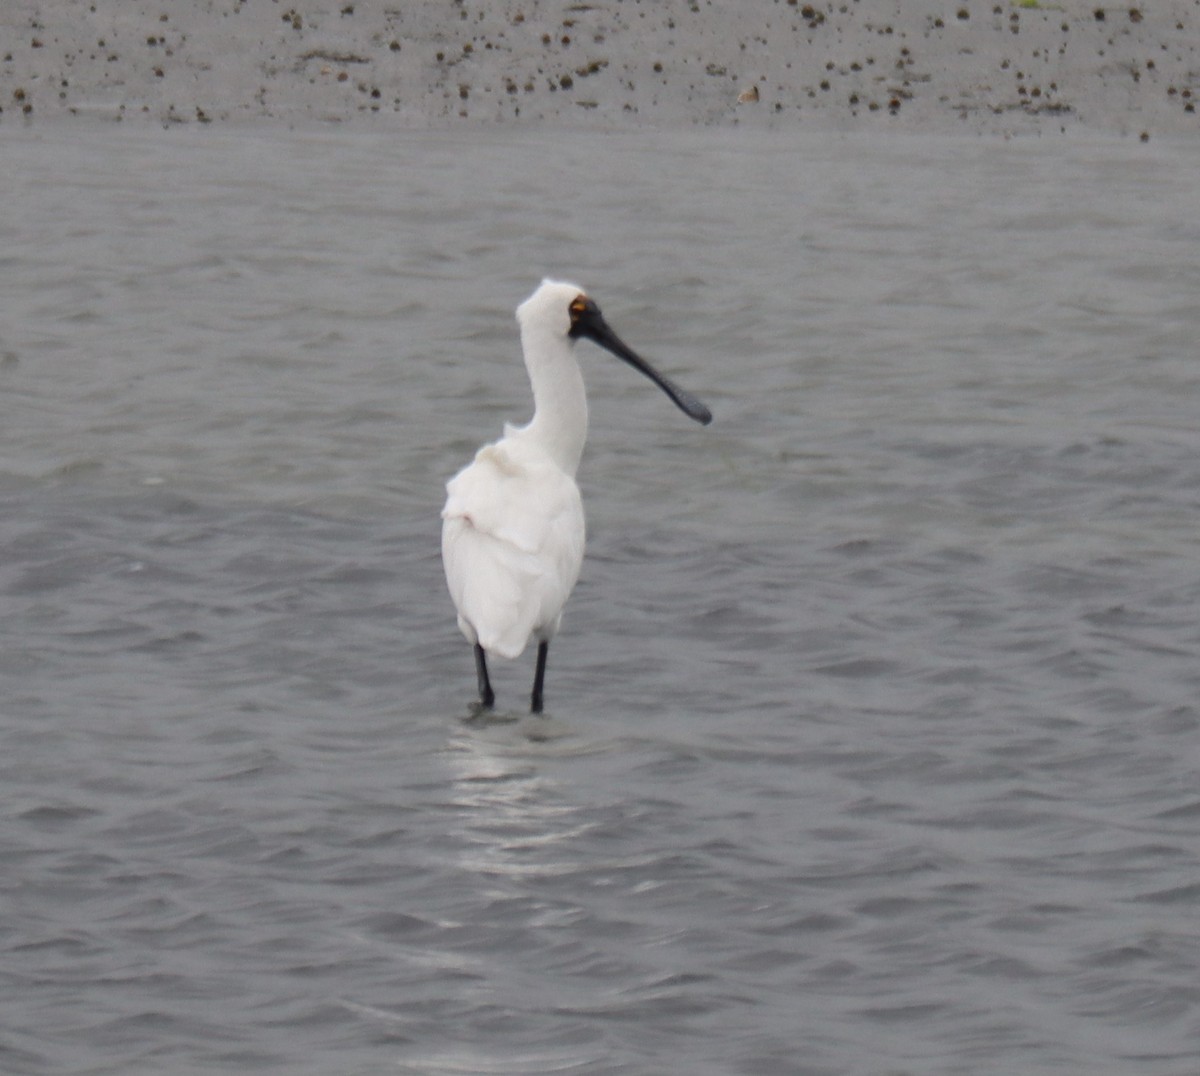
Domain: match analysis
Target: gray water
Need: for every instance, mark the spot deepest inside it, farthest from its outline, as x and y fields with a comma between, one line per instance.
x=872, y=730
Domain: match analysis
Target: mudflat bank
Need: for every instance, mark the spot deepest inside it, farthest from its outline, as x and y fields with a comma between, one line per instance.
x=989, y=66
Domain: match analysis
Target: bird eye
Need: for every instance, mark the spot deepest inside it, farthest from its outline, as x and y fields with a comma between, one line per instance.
x=579, y=306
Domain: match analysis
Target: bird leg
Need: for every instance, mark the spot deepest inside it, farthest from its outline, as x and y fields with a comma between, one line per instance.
x=539, y=675
x=486, y=698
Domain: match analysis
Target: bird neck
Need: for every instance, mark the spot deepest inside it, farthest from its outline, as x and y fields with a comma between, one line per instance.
x=560, y=413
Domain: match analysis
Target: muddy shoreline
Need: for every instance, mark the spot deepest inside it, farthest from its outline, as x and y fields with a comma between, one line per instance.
x=995, y=67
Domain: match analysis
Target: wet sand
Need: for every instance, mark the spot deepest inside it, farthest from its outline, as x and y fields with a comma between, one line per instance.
x=996, y=67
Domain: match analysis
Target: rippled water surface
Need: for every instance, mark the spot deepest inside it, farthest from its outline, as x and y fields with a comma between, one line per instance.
x=872, y=731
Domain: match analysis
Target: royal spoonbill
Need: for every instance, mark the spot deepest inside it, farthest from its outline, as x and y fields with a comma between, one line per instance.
x=512, y=530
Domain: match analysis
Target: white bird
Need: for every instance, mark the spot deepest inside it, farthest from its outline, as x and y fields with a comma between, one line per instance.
x=512, y=530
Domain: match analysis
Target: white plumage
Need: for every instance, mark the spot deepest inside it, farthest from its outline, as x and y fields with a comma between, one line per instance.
x=512, y=543
x=513, y=527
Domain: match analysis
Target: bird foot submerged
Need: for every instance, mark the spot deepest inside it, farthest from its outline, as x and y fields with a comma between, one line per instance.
x=482, y=717
x=515, y=732
x=478, y=714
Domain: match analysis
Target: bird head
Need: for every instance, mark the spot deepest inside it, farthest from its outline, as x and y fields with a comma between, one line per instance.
x=564, y=311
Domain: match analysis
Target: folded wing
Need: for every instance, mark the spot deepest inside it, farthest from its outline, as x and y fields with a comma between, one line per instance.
x=512, y=546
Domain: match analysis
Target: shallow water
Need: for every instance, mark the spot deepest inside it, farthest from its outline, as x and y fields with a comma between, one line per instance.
x=872, y=733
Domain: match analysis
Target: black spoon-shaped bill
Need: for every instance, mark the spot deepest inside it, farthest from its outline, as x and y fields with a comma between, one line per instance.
x=587, y=321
